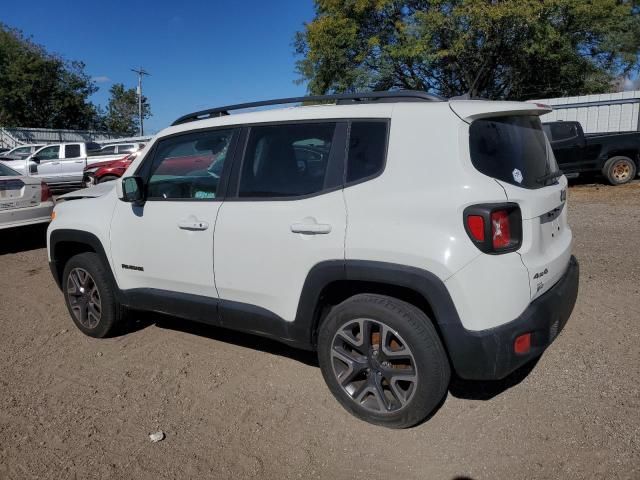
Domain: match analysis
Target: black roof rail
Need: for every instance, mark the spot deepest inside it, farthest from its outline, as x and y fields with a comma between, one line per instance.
x=342, y=98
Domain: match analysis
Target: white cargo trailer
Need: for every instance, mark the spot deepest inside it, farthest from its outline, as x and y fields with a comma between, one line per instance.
x=606, y=112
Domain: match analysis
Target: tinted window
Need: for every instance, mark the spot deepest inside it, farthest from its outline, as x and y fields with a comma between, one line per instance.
x=512, y=149
x=107, y=150
x=286, y=160
x=7, y=172
x=563, y=131
x=128, y=148
x=49, y=153
x=367, y=149
x=21, y=150
x=71, y=151
x=189, y=166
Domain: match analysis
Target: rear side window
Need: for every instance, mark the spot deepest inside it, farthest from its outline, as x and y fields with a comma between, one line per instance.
x=286, y=160
x=71, y=151
x=367, y=150
x=512, y=149
x=562, y=131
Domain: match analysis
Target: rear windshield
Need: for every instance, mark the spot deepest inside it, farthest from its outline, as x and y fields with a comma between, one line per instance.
x=7, y=172
x=512, y=149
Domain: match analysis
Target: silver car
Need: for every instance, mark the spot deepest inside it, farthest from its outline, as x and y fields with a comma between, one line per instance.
x=23, y=200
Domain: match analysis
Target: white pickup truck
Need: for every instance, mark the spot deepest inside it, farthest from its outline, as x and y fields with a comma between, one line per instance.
x=61, y=165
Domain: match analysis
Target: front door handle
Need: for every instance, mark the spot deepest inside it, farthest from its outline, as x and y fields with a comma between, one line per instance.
x=309, y=226
x=192, y=223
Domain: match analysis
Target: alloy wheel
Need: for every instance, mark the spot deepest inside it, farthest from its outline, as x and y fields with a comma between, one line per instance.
x=374, y=365
x=84, y=298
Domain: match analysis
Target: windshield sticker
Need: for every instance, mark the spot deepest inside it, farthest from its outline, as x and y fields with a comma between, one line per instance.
x=517, y=175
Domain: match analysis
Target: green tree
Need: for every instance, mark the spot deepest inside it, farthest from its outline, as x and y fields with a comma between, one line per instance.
x=512, y=49
x=122, y=110
x=39, y=89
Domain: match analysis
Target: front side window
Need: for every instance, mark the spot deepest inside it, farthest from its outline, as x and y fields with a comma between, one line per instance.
x=189, y=166
x=71, y=151
x=21, y=150
x=367, y=149
x=49, y=153
x=286, y=160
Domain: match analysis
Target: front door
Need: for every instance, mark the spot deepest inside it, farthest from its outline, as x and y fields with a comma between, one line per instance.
x=288, y=214
x=166, y=245
x=48, y=164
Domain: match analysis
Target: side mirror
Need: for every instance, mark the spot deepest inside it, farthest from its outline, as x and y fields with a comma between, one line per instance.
x=35, y=159
x=133, y=190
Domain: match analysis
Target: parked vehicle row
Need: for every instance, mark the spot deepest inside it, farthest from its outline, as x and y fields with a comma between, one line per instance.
x=62, y=165
x=615, y=155
x=24, y=200
x=21, y=152
x=332, y=228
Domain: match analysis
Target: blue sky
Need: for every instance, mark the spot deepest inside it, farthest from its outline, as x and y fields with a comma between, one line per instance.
x=200, y=53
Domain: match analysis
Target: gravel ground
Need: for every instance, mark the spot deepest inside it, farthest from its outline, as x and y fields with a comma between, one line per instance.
x=236, y=406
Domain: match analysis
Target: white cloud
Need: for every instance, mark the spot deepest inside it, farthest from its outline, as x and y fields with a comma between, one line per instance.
x=101, y=79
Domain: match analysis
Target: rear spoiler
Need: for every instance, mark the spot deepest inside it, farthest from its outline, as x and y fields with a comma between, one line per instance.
x=470, y=110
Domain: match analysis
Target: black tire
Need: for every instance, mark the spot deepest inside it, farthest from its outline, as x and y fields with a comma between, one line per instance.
x=619, y=170
x=111, y=313
x=407, y=326
x=108, y=178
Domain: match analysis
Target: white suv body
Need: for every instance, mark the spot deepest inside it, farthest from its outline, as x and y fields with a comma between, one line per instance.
x=396, y=200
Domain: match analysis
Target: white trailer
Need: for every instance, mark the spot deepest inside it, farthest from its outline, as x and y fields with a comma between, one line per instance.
x=606, y=112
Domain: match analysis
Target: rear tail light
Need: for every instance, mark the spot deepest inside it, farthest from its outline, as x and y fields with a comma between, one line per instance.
x=475, y=225
x=494, y=228
x=522, y=344
x=45, y=192
x=500, y=231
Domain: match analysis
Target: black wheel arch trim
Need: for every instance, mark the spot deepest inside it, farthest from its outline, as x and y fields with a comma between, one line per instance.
x=61, y=236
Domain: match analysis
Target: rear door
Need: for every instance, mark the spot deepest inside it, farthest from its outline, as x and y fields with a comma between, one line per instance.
x=514, y=150
x=286, y=214
x=72, y=164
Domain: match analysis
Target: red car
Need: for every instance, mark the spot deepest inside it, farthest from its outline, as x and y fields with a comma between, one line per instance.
x=110, y=170
x=105, y=171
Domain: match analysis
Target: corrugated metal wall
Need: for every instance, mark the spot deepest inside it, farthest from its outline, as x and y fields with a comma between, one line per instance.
x=607, y=112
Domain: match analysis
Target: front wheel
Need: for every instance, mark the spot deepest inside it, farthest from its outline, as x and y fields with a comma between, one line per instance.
x=619, y=170
x=90, y=296
x=383, y=360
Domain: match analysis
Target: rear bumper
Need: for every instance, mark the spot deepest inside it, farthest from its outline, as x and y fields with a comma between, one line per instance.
x=19, y=217
x=489, y=354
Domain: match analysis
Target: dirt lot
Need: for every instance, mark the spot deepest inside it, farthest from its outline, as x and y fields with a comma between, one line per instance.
x=235, y=406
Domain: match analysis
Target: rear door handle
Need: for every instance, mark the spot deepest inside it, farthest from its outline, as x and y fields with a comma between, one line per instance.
x=192, y=223
x=309, y=226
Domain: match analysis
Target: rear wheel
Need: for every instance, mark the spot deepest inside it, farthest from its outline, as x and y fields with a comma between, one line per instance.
x=383, y=360
x=619, y=170
x=90, y=296
x=108, y=178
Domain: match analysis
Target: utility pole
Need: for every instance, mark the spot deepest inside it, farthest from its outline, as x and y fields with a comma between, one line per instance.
x=140, y=71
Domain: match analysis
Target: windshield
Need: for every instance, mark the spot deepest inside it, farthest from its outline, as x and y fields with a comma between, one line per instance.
x=7, y=172
x=512, y=149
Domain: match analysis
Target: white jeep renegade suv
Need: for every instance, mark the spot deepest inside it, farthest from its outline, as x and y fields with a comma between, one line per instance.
x=399, y=235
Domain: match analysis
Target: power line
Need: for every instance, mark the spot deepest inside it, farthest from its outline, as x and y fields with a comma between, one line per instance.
x=141, y=72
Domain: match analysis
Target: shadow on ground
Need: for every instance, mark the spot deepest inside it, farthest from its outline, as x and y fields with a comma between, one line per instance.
x=459, y=388
x=23, y=239
x=486, y=390
x=142, y=320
